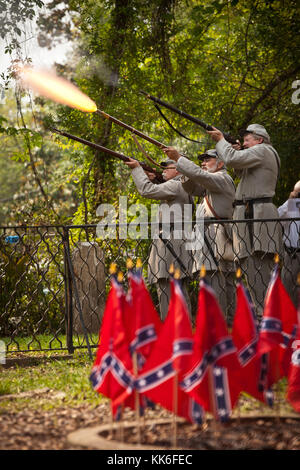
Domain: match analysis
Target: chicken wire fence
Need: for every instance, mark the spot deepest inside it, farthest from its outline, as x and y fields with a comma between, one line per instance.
x=54, y=280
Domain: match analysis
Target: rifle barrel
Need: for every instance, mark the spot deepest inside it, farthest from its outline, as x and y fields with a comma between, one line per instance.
x=100, y=148
x=131, y=129
x=201, y=123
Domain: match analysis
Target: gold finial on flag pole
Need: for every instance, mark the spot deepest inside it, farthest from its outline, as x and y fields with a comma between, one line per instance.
x=298, y=280
x=238, y=273
x=171, y=269
x=129, y=263
x=139, y=263
x=177, y=274
x=120, y=276
x=202, y=271
x=113, y=268
x=276, y=258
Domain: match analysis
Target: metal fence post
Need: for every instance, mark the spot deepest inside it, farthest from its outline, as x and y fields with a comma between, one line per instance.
x=77, y=300
x=68, y=293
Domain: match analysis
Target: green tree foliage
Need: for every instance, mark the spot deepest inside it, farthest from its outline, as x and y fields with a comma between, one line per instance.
x=230, y=63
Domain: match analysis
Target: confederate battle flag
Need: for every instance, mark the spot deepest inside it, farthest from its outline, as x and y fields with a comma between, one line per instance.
x=293, y=391
x=213, y=379
x=142, y=321
x=279, y=326
x=142, y=324
x=245, y=334
x=112, y=373
x=170, y=359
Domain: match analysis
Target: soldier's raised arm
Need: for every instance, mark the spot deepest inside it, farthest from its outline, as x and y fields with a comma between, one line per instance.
x=165, y=191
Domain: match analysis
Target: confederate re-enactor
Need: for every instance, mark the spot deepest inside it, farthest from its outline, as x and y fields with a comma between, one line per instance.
x=174, y=200
x=216, y=187
x=255, y=243
x=291, y=240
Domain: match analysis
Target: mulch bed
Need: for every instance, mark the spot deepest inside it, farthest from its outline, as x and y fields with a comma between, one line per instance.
x=46, y=430
x=239, y=434
x=37, y=428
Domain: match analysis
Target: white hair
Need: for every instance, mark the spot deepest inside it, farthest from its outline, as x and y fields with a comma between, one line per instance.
x=257, y=137
x=297, y=186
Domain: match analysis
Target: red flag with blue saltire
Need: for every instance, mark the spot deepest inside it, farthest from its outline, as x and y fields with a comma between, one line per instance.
x=112, y=373
x=245, y=334
x=142, y=320
x=293, y=389
x=278, y=326
x=142, y=324
x=214, y=378
x=169, y=360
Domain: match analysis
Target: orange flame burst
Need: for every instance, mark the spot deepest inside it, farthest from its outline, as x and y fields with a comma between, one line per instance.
x=47, y=84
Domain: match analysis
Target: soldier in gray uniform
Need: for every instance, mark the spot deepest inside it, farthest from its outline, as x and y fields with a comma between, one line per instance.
x=291, y=238
x=255, y=243
x=211, y=182
x=174, y=209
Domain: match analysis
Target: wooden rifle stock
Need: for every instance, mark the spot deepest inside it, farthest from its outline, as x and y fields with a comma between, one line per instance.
x=120, y=156
x=203, y=124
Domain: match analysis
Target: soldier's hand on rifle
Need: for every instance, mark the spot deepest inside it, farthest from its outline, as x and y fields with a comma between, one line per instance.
x=237, y=146
x=132, y=163
x=216, y=135
x=150, y=175
x=172, y=153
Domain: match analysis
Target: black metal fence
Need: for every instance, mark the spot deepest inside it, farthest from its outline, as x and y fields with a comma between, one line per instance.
x=54, y=280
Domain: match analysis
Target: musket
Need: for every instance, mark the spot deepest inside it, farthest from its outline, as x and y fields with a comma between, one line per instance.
x=201, y=123
x=120, y=156
x=130, y=128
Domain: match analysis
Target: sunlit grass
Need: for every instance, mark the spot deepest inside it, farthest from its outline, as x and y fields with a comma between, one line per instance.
x=68, y=376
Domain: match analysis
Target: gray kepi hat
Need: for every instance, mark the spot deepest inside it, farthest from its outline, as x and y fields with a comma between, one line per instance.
x=257, y=129
x=212, y=153
x=167, y=163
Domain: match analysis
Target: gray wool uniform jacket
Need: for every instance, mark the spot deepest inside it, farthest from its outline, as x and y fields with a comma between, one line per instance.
x=258, y=169
x=172, y=198
x=219, y=189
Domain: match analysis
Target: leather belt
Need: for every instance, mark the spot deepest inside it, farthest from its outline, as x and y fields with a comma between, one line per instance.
x=257, y=200
x=291, y=250
x=215, y=218
x=249, y=212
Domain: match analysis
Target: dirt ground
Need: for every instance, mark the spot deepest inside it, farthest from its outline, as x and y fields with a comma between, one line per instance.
x=46, y=430
x=40, y=429
x=238, y=434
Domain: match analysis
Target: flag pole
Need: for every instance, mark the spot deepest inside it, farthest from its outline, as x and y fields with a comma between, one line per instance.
x=121, y=426
x=120, y=278
x=137, y=397
x=212, y=397
x=175, y=275
x=112, y=272
x=175, y=409
x=111, y=420
x=139, y=265
x=277, y=395
x=238, y=276
x=129, y=266
x=210, y=375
